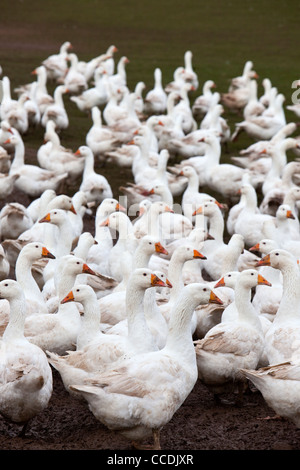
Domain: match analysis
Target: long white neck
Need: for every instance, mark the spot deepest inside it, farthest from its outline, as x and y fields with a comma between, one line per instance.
x=246, y=311
x=213, y=154
x=90, y=322
x=216, y=226
x=19, y=157
x=26, y=280
x=138, y=332
x=15, y=327
x=157, y=79
x=289, y=305
x=88, y=165
x=58, y=96
x=141, y=258
x=179, y=339
x=175, y=275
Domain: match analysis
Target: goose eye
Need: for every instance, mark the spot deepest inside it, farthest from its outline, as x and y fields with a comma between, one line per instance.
x=252, y=274
x=277, y=254
x=150, y=243
x=6, y=285
x=77, y=290
x=229, y=275
x=36, y=246
x=77, y=262
x=144, y=274
x=204, y=290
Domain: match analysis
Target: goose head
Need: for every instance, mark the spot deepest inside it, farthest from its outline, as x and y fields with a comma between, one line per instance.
x=201, y=294
x=55, y=216
x=209, y=208
x=35, y=251
x=284, y=212
x=108, y=206
x=264, y=246
x=10, y=290
x=186, y=253
x=228, y=280
x=64, y=202
x=81, y=293
x=144, y=278
x=83, y=151
x=150, y=245
x=74, y=265
x=250, y=278
x=278, y=259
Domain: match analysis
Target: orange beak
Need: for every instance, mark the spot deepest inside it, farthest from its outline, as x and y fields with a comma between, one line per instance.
x=168, y=209
x=198, y=255
x=7, y=141
x=198, y=211
x=77, y=152
x=255, y=247
x=156, y=281
x=72, y=209
x=289, y=214
x=68, y=298
x=87, y=270
x=105, y=223
x=213, y=299
x=46, y=253
x=120, y=208
x=265, y=261
x=160, y=123
x=221, y=206
x=160, y=249
x=263, y=152
x=262, y=280
x=220, y=283
x=168, y=283
x=45, y=219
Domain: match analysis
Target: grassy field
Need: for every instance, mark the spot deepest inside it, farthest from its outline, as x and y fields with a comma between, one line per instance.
x=221, y=35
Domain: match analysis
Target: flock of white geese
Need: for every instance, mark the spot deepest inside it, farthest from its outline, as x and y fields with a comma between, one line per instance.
x=134, y=314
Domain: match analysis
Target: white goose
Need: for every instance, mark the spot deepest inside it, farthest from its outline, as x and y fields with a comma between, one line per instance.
x=30, y=254
x=55, y=157
x=112, y=306
x=249, y=222
x=57, y=112
x=56, y=64
x=74, y=80
x=202, y=103
x=95, y=186
x=108, y=394
x=100, y=139
x=58, y=331
x=43, y=98
x=26, y=378
x=32, y=180
x=17, y=116
x=95, y=96
x=279, y=386
x=14, y=220
x=230, y=346
x=105, y=350
x=282, y=338
x=155, y=101
x=266, y=300
x=263, y=127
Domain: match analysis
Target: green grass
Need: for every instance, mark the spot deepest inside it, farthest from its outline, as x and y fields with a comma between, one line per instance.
x=221, y=35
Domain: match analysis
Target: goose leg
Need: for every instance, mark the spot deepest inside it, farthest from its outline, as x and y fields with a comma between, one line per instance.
x=156, y=442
